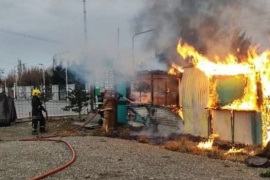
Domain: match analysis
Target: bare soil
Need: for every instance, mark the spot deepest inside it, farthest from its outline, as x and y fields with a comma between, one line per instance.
x=22, y=129
x=174, y=142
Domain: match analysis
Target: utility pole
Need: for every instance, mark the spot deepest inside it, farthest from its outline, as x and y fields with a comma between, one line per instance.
x=85, y=52
x=85, y=23
x=118, y=37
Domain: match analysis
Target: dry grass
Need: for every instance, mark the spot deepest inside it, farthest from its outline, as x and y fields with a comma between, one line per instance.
x=124, y=133
x=143, y=139
x=183, y=143
x=98, y=132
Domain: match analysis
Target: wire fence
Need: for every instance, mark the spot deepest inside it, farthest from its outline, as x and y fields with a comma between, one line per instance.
x=54, y=107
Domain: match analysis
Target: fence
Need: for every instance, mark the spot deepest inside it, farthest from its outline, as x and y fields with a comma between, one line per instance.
x=54, y=108
x=56, y=105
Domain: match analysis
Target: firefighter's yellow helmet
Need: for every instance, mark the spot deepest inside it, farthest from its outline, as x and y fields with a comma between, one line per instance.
x=36, y=92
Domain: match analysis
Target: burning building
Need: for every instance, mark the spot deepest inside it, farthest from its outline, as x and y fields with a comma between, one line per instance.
x=228, y=97
x=155, y=87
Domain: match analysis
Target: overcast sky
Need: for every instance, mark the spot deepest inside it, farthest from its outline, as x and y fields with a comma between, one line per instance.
x=48, y=28
x=63, y=21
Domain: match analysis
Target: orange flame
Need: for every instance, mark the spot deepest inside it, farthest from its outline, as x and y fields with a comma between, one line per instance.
x=233, y=150
x=227, y=67
x=207, y=144
x=175, y=69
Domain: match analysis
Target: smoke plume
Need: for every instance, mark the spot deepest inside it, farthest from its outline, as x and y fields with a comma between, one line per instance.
x=208, y=25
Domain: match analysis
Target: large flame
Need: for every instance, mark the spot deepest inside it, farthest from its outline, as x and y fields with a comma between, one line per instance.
x=255, y=69
x=210, y=68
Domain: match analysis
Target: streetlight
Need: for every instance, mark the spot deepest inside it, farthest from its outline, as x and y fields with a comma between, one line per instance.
x=133, y=43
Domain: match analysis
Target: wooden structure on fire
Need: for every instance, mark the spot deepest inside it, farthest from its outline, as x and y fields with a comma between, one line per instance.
x=155, y=87
x=203, y=119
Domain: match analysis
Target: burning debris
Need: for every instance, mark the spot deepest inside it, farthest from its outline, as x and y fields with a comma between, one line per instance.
x=209, y=143
x=234, y=150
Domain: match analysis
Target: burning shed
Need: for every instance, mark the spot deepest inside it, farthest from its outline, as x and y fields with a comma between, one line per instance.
x=156, y=87
x=228, y=97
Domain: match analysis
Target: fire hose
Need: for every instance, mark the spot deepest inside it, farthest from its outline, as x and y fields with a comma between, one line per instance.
x=48, y=138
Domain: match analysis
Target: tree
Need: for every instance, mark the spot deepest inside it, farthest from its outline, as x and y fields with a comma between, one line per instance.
x=78, y=99
x=10, y=79
x=31, y=77
x=58, y=75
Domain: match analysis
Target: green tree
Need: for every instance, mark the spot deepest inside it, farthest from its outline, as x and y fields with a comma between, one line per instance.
x=78, y=99
x=59, y=76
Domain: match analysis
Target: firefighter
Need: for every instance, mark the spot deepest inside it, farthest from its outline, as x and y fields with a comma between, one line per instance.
x=109, y=107
x=37, y=116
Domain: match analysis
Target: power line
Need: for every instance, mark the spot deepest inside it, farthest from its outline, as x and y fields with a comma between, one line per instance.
x=28, y=36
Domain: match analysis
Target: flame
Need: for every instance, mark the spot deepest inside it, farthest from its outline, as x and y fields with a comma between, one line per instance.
x=175, y=69
x=268, y=134
x=233, y=150
x=178, y=111
x=255, y=69
x=228, y=67
x=207, y=144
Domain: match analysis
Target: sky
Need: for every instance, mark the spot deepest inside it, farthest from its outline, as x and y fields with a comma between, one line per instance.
x=35, y=31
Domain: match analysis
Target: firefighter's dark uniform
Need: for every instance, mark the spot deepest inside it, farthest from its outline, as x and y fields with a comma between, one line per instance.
x=37, y=115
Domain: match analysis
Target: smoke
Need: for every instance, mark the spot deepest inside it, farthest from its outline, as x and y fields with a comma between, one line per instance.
x=208, y=25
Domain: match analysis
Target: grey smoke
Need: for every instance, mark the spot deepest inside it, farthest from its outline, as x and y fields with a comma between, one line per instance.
x=207, y=25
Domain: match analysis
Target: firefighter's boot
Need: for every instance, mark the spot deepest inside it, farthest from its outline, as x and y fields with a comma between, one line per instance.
x=42, y=129
x=34, y=132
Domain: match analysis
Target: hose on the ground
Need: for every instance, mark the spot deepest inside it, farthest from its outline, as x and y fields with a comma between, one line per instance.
x=48, y=138
x=52, y=171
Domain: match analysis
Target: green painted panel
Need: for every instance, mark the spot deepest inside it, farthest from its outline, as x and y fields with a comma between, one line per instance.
x=256, y=127
x=229, y=88
x=121, y=113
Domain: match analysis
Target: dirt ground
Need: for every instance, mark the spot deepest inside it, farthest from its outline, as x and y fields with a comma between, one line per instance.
x=185, y=143
x=182, y=144
x=23, y=129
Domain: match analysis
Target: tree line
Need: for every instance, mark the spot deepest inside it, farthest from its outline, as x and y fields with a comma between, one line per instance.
x=33, y=76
